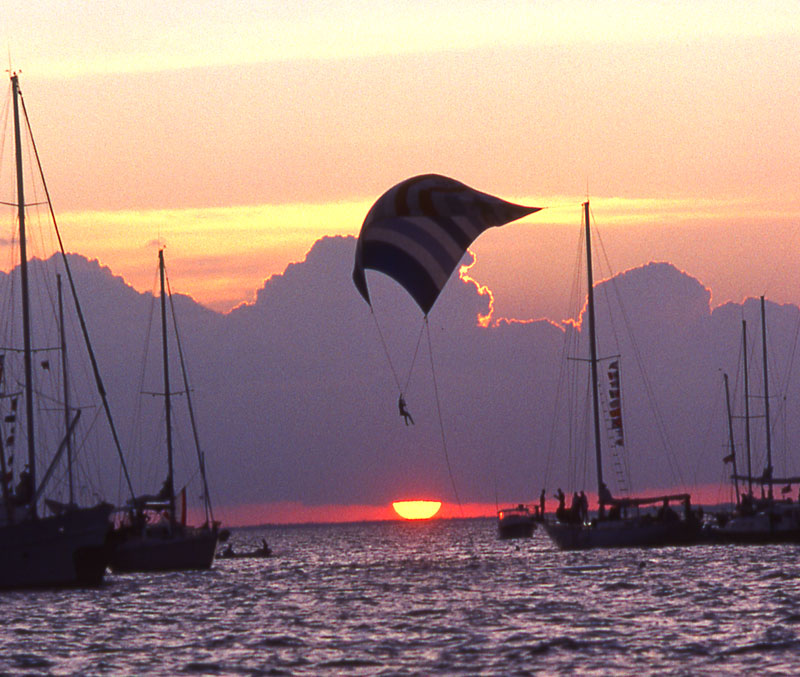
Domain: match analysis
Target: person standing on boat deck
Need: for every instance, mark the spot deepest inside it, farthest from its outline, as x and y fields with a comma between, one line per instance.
x=584, y=507
x=575, y=508
x=541, y=504
x=401, y=404
x=561, y=510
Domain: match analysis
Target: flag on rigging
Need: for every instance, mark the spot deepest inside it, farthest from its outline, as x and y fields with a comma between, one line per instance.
x=417, y=232
x=615, y=403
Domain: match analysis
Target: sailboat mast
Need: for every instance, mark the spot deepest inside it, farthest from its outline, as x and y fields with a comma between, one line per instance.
x=593, y=358
x=768, y=472
x=26, y=315
x=65, y=380
x=167, y=401
x=747, y=409
x=730, y=437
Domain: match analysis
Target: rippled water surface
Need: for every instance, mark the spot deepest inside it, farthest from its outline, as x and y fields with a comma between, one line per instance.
x=442, y=597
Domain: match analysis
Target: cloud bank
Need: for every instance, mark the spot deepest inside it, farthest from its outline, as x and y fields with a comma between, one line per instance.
x=297, y=401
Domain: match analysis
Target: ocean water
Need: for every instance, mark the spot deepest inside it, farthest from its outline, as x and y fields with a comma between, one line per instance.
x=442, y=597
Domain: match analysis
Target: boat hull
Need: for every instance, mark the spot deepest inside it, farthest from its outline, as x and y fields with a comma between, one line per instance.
x=781, y=524
x=183, y=549
x=70, y=549
x=622, y=534
x=520, y=529
x=516, y=522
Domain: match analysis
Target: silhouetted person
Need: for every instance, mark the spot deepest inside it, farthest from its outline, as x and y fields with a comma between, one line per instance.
x=24, y=492
x=561, y=510
x=401, y=404
x=584, y=507
x=541, y=504
x=575, y=508
x=666, y=513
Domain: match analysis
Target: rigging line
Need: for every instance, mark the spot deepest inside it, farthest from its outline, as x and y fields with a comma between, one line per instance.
x=565, y=375
x=136, y=434
x=201, y=460
x=386, y=350
x=416, y=351
x=657, y=416
x=563, y=383
x=789, y=368
x=781, y=389
x=441, y=420
x=716, y=407
x=95, y=368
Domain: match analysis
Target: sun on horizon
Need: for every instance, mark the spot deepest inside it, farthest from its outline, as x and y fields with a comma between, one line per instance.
x=416, y=510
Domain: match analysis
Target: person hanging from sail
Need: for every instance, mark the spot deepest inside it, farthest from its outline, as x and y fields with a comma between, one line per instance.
x=401, y=405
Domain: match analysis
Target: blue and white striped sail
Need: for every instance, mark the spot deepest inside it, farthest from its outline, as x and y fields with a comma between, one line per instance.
x=417, y=232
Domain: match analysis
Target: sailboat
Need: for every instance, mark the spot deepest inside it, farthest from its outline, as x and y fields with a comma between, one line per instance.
x=620, y=522
x=764, y=519
x=68, y=546
x=150, y=536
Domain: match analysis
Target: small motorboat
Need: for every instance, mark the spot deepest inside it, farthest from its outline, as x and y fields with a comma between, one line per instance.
x=229, y=553
x=516, y=522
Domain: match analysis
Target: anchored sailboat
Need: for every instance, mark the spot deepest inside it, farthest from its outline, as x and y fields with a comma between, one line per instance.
x=619, y=521
x=765, y=518
x=68, y=546
x=151, y=537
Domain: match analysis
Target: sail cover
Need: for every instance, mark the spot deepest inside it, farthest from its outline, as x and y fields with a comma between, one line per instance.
x=417, y=232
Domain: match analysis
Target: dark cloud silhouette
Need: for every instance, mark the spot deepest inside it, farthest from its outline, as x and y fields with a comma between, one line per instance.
x=296, y=400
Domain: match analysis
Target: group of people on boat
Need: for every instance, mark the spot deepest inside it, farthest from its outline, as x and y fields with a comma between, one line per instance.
x=611, y=508
x=578, y=511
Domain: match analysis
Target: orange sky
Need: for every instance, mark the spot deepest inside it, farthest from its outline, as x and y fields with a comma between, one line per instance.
x=239, y=134
x=238, y=137
x=298, y=513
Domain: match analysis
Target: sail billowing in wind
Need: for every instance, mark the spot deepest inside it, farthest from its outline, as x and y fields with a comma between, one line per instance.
x=417, y=232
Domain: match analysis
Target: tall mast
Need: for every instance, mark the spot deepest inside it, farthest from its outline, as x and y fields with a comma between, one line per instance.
x=747, y=409
x=23, y=269
x=167, y=402
x=593, y=359
x=768, y=472
x=65, y=380
x=209, y=513
x=730, y=437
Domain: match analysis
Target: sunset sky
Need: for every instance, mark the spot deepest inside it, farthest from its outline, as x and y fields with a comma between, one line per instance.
x=239, y=133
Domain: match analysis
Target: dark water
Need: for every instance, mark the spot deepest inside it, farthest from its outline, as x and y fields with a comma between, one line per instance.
x=442, y=597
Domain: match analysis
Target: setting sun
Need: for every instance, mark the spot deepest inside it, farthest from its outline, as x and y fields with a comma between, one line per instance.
x=416, y=510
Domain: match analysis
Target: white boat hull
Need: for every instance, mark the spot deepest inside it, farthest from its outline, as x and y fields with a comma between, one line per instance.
x=779, y=524
x=515, y=523
x=70, y=549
